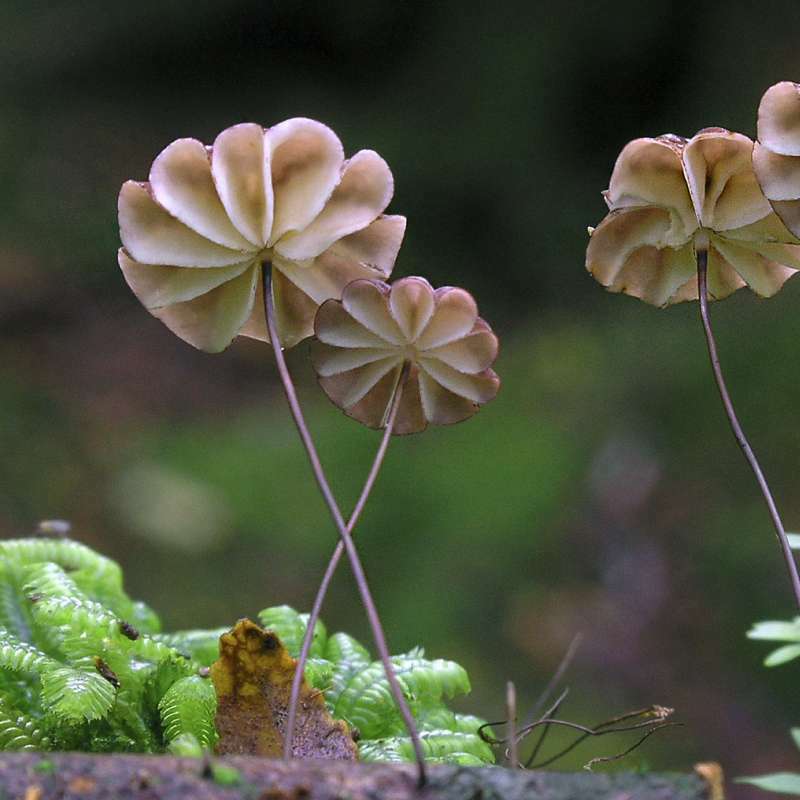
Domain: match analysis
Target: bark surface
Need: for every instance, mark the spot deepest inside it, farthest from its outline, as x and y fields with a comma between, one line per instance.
x=78, y=776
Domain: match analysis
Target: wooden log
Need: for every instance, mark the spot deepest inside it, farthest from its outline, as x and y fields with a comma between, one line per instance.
x=81, y=776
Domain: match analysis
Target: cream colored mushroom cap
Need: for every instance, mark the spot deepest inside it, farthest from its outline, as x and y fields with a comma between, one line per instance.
x=669, y=197
x=197, y=233
x=776, y=157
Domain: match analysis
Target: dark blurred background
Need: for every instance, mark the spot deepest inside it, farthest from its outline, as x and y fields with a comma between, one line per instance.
x=601, y=492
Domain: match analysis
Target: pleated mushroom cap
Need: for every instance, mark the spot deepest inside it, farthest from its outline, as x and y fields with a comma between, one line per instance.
x=776, y=157
x=363, y=340
x=196, y=234
x=670, y=196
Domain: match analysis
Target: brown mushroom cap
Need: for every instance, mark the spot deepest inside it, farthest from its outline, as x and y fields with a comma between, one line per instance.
x=669, y=197
x=363, y=340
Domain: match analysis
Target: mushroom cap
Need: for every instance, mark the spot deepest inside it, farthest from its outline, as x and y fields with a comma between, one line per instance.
x=196, y=234
x=670, y=196
x=364, y=339
x=776, y=158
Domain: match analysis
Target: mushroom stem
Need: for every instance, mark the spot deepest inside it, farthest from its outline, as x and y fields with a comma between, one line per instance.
x=393, y=408
x=347, y=541
x=738, y=433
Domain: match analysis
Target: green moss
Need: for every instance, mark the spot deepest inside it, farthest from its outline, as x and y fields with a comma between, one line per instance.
x=224, y=775
x=80, y=668
x=84, y=667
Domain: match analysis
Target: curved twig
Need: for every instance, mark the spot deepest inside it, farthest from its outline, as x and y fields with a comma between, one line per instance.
x=540, y=741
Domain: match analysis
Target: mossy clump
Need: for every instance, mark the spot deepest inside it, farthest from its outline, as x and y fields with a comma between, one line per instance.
x=85, y=667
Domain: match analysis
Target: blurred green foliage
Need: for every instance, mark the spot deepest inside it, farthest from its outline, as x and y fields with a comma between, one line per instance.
x=786, y=632
x=781, y=782
x=600, y=492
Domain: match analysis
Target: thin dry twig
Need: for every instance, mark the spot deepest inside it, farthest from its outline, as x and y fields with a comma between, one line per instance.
x=489, y=739
x=656, y=716
x=616, y=757
x=511, y=710
x=563, y=666
x=650, y=719
x=552, y=711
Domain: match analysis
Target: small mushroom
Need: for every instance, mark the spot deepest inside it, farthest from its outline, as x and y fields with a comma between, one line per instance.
x=197, y=234
x=364, y=340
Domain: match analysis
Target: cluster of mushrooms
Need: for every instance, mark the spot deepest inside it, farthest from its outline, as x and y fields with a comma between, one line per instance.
x=200, y=233
x=273, y=234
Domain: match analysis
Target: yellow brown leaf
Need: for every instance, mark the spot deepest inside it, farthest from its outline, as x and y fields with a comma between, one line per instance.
x=252, y=679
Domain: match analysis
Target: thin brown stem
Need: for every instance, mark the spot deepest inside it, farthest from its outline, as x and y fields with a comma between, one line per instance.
x=554, y=709
x=393, y=408
x=563, y=666
x=600, y=730
x=628, y=750
x=511, y=713
x=651, y=718
x=738, y=433
x=336, y=514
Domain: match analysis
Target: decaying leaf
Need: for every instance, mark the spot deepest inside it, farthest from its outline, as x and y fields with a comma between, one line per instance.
x=253, y=678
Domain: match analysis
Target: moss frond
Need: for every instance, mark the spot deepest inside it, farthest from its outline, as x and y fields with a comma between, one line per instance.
x=189, y=707
x=75, y=695
x=202, y=646
x=367, y=701
x=18, y=656
x=439, y=747
x=19, y=731
x=290, y=626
